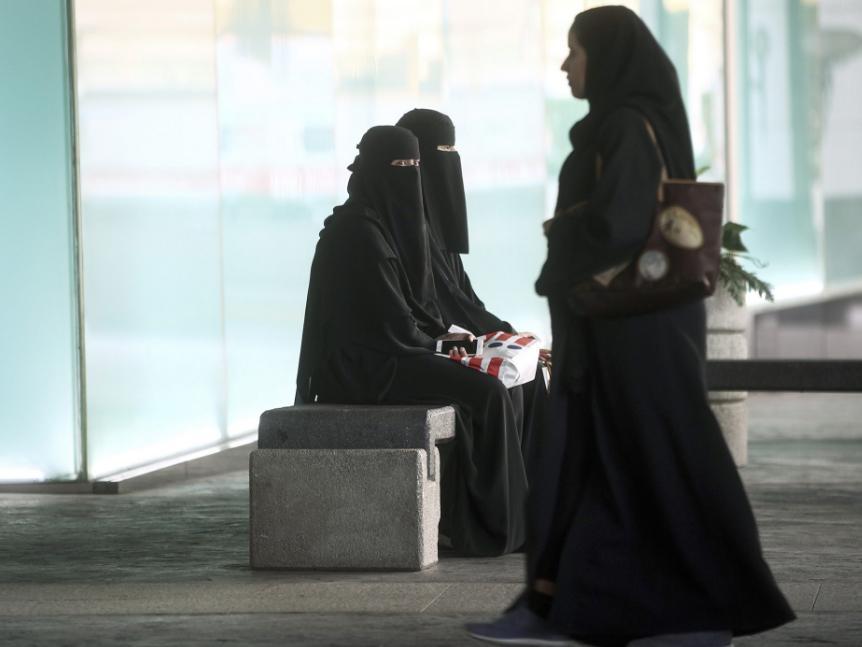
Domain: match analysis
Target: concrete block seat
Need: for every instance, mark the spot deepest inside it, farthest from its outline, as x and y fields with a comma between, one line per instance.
x=347, y=486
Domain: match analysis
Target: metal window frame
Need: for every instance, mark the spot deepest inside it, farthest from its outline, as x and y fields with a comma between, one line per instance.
x=82, y=444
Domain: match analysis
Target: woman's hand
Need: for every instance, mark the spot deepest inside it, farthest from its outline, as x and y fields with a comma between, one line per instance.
x=545, y=357
x=459, y=352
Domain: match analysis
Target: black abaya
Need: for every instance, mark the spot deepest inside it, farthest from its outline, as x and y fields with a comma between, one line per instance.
x=637, y=513
x=368, y=338
x=446, y=215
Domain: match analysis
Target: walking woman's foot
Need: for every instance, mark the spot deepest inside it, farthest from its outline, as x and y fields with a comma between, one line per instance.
x=695, y=639
x=520, y=626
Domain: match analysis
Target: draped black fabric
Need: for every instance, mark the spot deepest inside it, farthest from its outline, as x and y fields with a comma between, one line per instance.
x=360, y=314
x=394, y=192
x=446, y=213
x=626, y=66
x=364, y=305
x=369, y=334
x=636, y=511
x=442, y=181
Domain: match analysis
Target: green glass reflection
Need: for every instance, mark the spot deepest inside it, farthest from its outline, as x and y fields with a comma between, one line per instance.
x=38, y=339
x=839, y=29
x=276, y=96
x=214, y=140
x=152, y=239
x=778, y=159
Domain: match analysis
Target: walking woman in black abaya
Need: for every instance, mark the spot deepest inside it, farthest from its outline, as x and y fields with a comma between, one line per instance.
x=371, y=326
x=639, y=529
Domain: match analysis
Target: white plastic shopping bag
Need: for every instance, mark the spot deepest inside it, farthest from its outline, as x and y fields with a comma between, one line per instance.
x=510, y=357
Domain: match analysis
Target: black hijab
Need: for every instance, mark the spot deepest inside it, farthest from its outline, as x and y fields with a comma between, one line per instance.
x=446, y=213
x=626, y=67
x=369, y=269
x=394, y=192
x=442, y=181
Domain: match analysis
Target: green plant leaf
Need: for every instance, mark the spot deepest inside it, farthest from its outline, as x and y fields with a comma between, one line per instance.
x=731, y=237
x=703, y=169
x=737, y=280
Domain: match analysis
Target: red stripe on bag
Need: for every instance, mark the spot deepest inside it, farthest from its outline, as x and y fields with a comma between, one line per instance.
x=503, y=336
x=494, y=366
x=525, y=341
x=475, y=362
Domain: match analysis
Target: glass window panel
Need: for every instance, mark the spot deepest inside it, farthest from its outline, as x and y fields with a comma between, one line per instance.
x=277, y=168
x=778, y=179
x=215, y=136
x=152, y=238
x=839, y=28
x=799, y=93
x=38, y=338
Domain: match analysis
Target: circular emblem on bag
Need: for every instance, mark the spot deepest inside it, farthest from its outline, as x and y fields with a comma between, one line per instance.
x=680, y=228
x=653, y=265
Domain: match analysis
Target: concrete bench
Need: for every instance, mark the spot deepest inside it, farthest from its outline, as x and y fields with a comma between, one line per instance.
x=347, y=486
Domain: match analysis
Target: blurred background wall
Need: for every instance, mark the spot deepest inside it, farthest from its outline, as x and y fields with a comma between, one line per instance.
x=166, y=167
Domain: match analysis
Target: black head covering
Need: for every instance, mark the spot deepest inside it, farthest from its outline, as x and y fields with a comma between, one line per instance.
x=371, y=292
x=626, y=67
x=395, y=194
x=442, y=181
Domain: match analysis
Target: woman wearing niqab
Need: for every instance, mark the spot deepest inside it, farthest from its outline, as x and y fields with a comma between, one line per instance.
x=369, y=335
x=446, y=216
x=639, y=529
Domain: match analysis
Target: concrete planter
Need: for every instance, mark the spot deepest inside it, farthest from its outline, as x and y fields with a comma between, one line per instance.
x=726, y=323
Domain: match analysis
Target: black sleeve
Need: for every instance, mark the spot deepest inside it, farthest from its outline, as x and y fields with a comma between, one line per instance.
x=395, y=316
x=367, y=300
x=614, y=223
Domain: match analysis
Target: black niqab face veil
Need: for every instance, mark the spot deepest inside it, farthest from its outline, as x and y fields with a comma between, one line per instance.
x=442, y=181
x=386, y=179
x=626, y=67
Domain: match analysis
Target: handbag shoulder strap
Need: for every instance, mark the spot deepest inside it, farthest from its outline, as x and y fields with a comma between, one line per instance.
x=664, y=176
x=651, y=133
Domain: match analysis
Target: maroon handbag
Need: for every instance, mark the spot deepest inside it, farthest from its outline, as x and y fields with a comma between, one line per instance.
x=678, y=263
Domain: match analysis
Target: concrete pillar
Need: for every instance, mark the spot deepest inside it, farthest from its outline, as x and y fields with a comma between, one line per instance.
x=726, y=322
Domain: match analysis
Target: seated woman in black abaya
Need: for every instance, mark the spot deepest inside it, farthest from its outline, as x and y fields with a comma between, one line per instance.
x=371, y=325
x=446, y=217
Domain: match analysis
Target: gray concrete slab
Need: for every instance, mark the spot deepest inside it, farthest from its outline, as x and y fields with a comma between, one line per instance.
x=801, y=595
x=341, y=426
x=343, y=508
x=184, y=598
x=811, y=416
x=475, y=597
x=169, y=566
x=301, y=630
x=840, y=596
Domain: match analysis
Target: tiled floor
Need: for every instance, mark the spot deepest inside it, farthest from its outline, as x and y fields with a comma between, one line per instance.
x=169, y=566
